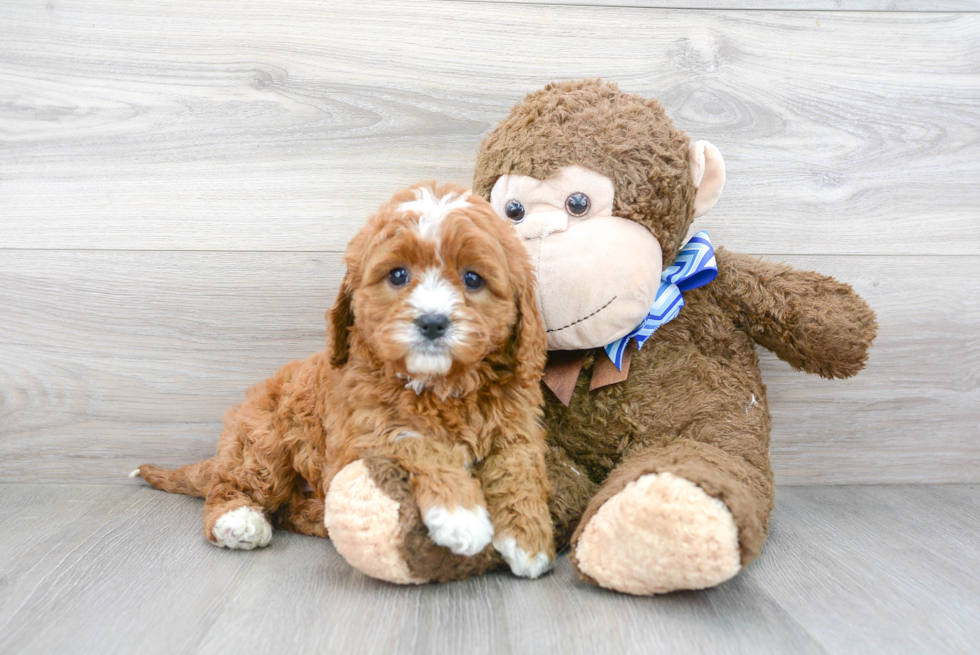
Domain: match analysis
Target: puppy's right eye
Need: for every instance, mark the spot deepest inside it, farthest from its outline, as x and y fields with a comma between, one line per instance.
x=472, y=280
x=514, y=210
x=398, y=277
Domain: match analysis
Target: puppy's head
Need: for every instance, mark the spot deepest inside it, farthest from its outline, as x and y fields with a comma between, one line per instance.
x=436, y=282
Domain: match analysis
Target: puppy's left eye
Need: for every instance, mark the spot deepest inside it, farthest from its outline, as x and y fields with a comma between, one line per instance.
x=398, y=277
x=472, y=280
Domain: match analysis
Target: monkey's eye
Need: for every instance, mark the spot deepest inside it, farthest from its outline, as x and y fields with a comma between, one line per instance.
x=398, y=277
x=472, y=280
x=577, y=204
x=514, y=210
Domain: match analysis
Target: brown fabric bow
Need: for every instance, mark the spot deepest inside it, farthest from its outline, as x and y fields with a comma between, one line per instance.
x=564, y=366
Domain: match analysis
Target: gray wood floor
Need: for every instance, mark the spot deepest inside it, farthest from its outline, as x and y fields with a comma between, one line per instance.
x=124, y=569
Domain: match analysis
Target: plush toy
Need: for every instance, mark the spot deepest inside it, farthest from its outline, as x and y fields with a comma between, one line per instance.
x=657, y=417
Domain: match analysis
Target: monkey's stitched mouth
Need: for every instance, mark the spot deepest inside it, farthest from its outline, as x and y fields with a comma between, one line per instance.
x=584, y=318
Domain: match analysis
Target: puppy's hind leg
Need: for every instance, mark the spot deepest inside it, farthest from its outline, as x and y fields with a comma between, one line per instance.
x=303, y=514
x=253, y=473
x=232, y=519
x=252, y=478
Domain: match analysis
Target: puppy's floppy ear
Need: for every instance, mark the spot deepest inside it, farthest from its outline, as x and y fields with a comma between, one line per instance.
x=340, y=317
x=529, y=343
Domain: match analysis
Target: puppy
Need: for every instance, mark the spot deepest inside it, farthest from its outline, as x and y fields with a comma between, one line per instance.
x=435, y=352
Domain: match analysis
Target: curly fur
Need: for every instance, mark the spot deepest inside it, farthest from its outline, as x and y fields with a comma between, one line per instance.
x=467, y=437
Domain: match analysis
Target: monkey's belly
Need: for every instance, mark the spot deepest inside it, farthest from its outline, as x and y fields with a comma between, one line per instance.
x=674, y=391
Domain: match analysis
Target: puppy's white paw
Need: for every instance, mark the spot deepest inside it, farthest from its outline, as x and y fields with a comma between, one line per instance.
x=242, y=529
x=463, y=531
x=521, y=563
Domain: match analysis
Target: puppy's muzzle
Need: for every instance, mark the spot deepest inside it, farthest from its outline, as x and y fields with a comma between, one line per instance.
x=433, y=326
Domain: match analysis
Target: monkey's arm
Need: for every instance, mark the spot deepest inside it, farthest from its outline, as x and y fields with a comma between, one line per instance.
x=811, y=321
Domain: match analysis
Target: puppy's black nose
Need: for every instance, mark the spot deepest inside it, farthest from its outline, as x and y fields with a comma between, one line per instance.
x=433, y=326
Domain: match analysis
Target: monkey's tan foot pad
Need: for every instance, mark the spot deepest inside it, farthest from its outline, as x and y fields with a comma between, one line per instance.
x=373, y=520
x=661, y=533
x=364, y=523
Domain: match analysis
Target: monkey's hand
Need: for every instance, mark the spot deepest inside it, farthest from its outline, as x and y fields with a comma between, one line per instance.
x=811, y=321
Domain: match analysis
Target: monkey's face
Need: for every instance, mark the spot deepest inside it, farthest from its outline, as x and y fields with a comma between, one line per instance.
x=598, y=274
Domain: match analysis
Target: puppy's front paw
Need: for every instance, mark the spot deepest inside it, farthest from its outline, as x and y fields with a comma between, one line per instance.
x=463, y=531
x=242, y=529
x=522, y=563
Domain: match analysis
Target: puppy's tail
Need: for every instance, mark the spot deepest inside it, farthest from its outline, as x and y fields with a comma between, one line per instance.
x=192, y=480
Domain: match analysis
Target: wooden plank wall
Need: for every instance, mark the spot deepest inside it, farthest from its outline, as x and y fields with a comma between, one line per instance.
x=178, y=179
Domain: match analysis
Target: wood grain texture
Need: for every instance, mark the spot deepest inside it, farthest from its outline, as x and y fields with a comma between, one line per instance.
x=281, y=126
x=112, y=359
x=113, y=569
x=878, y=569
x=771, y=5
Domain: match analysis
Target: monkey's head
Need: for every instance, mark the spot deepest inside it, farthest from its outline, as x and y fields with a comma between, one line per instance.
x=602, y=189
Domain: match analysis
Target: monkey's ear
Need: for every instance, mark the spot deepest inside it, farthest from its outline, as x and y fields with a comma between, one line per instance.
x=708, y=174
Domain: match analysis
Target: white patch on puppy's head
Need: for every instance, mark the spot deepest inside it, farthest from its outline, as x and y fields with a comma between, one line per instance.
x=432, y=210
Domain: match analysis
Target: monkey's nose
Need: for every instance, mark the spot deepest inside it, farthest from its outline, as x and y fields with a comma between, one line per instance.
x=433, y=326
x=540, y=224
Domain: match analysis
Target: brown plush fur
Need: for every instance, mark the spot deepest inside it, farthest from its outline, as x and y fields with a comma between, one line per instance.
x=694, y=403
x=472, y=437
x=627, y=138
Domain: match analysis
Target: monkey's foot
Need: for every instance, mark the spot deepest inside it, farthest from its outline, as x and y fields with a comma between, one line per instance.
x=660, y=533
x=374, y=523
x=363, y=522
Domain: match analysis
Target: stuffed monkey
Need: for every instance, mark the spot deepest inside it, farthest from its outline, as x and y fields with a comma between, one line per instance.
x=656, y=411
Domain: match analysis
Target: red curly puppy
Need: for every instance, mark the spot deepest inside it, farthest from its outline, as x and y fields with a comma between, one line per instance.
x=435, y=352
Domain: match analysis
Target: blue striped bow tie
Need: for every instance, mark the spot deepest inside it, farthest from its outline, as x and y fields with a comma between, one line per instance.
x=695, y=266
